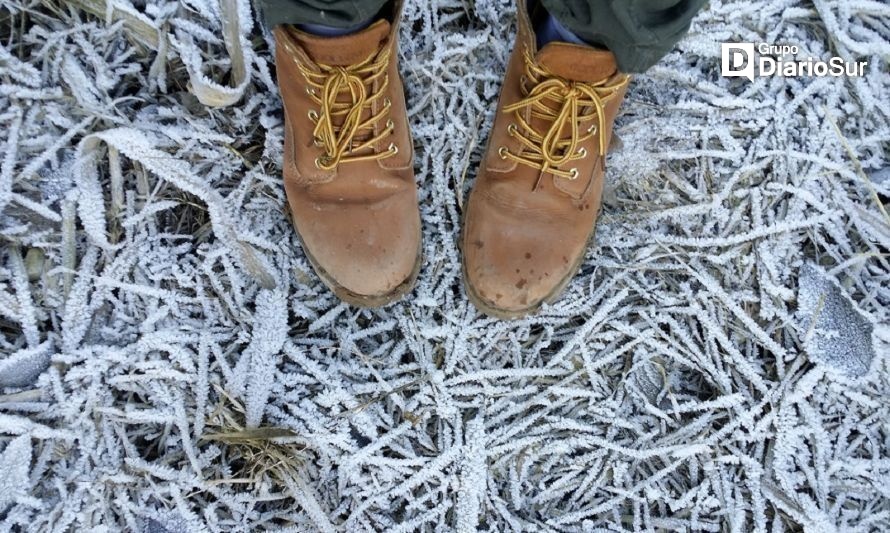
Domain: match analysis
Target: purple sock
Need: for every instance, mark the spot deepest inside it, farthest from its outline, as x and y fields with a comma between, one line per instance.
x=549, y=29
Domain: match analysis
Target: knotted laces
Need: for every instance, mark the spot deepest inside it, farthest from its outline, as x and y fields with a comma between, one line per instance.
x=340, y=128
x=562, y=104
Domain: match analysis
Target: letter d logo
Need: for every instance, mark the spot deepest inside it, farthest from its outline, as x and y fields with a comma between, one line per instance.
x=737, y=60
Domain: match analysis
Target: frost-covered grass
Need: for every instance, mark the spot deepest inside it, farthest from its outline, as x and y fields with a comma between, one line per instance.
x=169, y=362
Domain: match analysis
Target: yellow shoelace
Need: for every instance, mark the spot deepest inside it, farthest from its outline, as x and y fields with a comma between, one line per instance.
x=560, y=103
x=338, y=125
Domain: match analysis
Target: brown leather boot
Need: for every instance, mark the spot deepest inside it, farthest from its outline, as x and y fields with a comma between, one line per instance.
x=348, y=160
x=536, y=199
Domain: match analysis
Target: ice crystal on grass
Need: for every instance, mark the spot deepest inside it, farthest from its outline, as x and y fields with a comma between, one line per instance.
x=14, y=465
x=169, y=362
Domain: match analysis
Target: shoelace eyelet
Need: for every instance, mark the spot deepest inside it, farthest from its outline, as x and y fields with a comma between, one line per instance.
x=573, y=174
x=511, y=129
x=393, y=148
x=592, y=129
x=582, y=152
x=313, y=115
x=310, y=91
x=390, y=124
x=502, y=151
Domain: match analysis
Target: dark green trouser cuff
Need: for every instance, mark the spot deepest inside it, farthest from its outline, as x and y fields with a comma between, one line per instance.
x=638, y=32
x=334, y=13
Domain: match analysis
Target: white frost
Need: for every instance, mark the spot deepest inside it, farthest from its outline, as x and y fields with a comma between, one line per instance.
x=148, y=270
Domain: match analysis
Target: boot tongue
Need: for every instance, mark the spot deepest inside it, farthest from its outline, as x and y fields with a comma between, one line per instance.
x=576, y=62
x=345, y=49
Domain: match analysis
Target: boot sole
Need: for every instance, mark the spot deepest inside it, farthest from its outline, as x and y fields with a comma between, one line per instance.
x=552, y=296
x=352, y=297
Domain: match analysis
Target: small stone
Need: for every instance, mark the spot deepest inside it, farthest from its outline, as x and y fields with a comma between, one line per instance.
x=836, y=332
x=22, y=368
x=34, y=261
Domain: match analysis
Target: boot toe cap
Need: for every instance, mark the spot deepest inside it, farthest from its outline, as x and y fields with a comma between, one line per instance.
x=365, y=254
x=514, y=268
